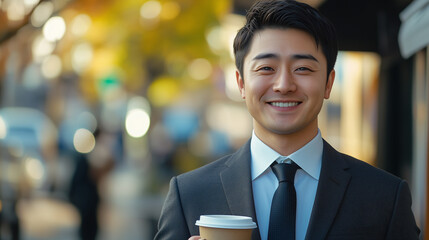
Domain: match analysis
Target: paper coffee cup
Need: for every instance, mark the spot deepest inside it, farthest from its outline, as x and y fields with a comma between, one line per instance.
x=225, y=227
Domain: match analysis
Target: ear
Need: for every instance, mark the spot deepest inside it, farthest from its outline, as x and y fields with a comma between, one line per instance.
x=240, y=84
x=329, y=84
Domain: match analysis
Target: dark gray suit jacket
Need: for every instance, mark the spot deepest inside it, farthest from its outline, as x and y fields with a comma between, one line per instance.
x=353, y=201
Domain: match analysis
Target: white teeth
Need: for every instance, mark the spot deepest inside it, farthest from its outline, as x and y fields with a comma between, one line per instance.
x=284, y=104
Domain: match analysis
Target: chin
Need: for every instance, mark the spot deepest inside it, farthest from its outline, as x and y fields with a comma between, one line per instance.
x=283, y=131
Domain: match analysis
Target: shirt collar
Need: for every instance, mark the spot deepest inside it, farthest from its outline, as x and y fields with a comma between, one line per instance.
x=308, y=158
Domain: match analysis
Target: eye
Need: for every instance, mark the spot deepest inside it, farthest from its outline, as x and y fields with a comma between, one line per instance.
x=303, y=69
x=265, y=69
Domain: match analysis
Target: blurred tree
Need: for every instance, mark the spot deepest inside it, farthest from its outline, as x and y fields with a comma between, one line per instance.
x=141, y=41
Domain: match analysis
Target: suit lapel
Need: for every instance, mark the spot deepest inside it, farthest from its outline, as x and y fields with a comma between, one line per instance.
x=333, y=183
x=237, y=184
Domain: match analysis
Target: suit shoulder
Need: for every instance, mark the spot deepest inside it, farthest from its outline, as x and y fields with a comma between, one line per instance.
x=356, y=167
x=211, y=171
x=205, y=172
x=361, y=168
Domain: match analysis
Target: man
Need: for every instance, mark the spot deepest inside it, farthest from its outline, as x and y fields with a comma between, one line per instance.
x=285, y=56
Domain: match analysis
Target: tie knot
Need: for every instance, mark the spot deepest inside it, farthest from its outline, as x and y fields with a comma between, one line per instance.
x=285, y=172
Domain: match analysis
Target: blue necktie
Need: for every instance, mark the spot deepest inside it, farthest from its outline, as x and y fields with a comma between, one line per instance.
x=283, y=207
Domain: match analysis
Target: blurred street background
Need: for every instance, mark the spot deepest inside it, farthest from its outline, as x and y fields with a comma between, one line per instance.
x=103, y=101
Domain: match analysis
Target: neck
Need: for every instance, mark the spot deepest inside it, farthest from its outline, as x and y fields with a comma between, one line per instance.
x=288, y=143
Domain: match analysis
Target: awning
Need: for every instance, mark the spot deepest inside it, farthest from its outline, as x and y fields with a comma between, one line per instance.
x=414, y=30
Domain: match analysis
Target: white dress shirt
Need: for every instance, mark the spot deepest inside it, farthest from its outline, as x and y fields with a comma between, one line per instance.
x=265, y=183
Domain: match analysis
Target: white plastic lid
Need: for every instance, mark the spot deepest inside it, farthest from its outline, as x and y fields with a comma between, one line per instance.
x=226, y=221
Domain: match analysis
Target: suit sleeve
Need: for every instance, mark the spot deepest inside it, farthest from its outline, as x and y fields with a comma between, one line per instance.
x=402, y=223
x=172, y=224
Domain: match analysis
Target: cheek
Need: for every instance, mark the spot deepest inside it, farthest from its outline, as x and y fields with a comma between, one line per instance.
x=255, y=88
x=316, y=91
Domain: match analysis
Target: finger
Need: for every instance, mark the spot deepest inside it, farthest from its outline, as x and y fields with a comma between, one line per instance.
x=195, y=238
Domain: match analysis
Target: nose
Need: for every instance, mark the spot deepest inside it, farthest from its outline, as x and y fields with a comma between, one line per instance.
x=284, y=83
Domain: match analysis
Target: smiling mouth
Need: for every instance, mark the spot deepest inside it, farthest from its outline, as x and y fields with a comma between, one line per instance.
x=285, y=104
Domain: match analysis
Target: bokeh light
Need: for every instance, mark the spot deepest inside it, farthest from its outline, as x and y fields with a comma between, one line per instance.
x=231, y=88
x=170, y=10
x=15, y=10
x=137, y=123
x=34, y=169
x=41, y=48
x=233, y=120
x=163, y=91
x=80, y=24
x=54, y=29
x=150, y=10
x=83, y=140
x=82, y=55
x=30, y=3
x=214, y=39
x=42, y=13
x=200, y=69
x=51, y=67
x=139, y=102
x=3, y=128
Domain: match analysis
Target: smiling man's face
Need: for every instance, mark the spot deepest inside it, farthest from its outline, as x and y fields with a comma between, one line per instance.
x=284, y=82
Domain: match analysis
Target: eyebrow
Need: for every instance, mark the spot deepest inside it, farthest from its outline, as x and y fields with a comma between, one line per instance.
x=304, y=56
x=276, y=56
x=265, y=56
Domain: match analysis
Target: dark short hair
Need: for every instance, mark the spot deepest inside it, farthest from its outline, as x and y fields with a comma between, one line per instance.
x=286, y=14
